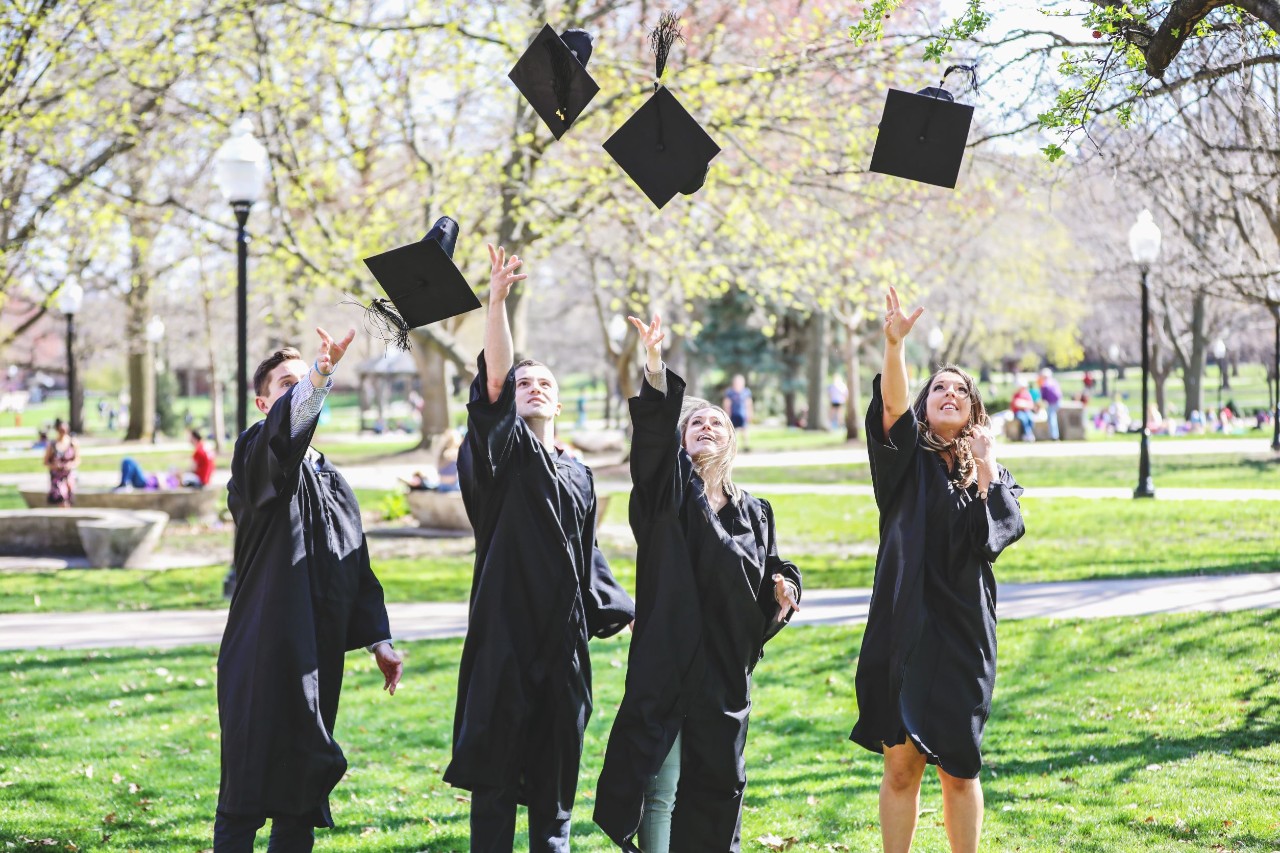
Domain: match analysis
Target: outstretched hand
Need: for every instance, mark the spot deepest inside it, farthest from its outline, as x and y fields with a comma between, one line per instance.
x=897, y=325
x=331, y=351
x=502, y=273
x=651, y=336
x=786, y=601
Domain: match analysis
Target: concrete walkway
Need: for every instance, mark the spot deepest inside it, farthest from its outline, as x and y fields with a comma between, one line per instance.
x=1068, y=600
x=384, y=476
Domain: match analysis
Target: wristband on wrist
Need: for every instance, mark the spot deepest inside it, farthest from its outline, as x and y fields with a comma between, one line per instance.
x=315, y=365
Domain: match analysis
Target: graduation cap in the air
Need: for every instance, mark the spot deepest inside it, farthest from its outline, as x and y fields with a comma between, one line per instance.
x=661, y=147
x=923, y=134
x=552, y=76
x=423, y=283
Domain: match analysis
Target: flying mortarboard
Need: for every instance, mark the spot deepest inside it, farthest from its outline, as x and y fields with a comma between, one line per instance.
x=661, y=147
x=423, y=283
x=552, y=76
x=922, y=135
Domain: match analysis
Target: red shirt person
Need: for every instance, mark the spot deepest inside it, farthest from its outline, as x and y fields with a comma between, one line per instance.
x=202, y=463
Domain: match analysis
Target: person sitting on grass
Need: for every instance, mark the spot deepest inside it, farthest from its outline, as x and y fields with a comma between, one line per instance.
x=927, y=667
x=202, y=466
x=305, y=595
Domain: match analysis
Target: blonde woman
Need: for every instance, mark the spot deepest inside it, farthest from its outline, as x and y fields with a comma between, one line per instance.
x=928, y=661
x=710, y=591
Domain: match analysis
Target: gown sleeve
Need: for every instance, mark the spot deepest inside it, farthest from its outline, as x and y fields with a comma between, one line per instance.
x=493, y=429
x=368, y=624
x=996, y=523
x=608, y=607
x=775, y=565
x=656, y=458
x=273, y=455
x=891, y=455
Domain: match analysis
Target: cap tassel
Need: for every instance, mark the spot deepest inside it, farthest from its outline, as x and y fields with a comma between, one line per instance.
x=385, y=323
x=970, y=72
x=662, y=38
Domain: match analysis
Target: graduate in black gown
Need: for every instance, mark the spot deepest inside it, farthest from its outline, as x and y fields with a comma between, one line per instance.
x=928, y=661
x=305, y=595
x=540, y=590
x=710, y=592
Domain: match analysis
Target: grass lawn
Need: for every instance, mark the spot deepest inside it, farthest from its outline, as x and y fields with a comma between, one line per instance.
x=831, y=538
x=1207, y=471
x=1146, y=734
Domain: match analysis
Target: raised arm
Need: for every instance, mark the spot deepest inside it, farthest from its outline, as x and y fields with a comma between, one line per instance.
x=893, y=376
x=498, y=355
x=655, y=442
x=651, y=337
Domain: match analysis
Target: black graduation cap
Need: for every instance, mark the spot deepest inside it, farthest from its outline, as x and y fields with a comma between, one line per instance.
x=423, y=283
x=923, y=134
x=661, y=147
x=552, y=76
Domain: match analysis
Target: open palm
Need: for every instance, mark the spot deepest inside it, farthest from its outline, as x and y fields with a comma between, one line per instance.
x=897, y=324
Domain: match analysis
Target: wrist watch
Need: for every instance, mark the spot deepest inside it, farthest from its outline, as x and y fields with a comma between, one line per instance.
x=372, y=646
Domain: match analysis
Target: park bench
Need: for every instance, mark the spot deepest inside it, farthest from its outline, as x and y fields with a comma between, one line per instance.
x=1070, y=424
x=177, y=504
x=109, y=538
x=439, y=511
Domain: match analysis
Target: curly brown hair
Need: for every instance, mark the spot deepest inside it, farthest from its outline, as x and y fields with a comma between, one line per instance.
x=961, y=447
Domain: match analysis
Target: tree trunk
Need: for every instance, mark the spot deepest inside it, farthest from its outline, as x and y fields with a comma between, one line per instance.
x=142, y=369
x=142, y=394
x=853, y=373
x=433, y=377
x=817, y=378
x=1193, y=370
x=218, y=419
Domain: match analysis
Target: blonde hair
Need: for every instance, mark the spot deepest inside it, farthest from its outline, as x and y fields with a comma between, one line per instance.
x=715, y=467
x=961, y=447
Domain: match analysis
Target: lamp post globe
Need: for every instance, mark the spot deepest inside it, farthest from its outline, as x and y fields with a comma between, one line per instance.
x=1144, y=246
x=70, y=300
x=240, y=171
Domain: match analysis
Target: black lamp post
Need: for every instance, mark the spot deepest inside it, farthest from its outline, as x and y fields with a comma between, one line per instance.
x=1274, y=304
x=240, y=171
x=69, y=302
x=1144, y=244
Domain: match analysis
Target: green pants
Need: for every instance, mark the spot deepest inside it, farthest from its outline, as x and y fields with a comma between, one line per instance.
x=659, y=802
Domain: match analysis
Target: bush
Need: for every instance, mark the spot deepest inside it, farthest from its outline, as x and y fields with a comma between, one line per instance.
x=393, y=505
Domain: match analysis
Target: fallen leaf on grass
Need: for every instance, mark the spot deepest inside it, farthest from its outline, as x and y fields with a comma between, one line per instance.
x=773, y=842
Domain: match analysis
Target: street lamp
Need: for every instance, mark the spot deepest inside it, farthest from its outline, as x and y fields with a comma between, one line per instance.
x=1273, y=302
x=935, y=341
x=1220, y=353
x=240, y=170
x=1144, y=245
x=69, y=301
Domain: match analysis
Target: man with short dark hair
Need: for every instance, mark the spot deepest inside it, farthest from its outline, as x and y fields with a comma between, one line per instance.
x=305, y=595
x=541, y=589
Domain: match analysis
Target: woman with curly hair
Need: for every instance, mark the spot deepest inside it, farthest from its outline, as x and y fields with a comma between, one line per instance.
x=928, y=661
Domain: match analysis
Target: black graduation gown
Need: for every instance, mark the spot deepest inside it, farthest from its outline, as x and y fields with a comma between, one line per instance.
x=928, y=662
x=541, y=588
x=704, y=610
x=305, y=595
